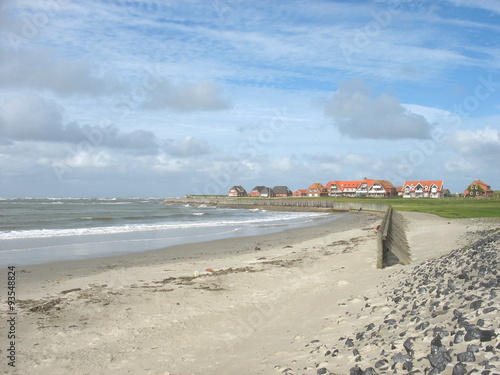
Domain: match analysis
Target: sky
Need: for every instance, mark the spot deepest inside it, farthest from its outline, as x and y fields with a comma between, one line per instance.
x=166, y=98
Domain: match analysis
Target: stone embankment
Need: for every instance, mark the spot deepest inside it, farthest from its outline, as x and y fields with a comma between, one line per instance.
x=442, y=316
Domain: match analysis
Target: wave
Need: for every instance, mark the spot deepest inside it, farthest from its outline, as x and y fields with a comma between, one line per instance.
x=47, y=233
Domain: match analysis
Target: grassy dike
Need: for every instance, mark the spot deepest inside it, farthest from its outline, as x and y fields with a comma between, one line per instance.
x=451, y=208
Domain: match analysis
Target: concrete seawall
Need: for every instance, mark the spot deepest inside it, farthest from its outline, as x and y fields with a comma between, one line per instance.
x=391, y=236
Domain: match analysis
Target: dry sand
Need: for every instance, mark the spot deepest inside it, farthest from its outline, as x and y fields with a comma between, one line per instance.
x=239, y=306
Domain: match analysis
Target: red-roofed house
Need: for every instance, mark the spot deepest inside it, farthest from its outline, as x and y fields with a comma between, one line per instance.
x=300, y=193
x=382, y=188
x=256, y=191
x=478, y=189
x=343, y=188
x=316, y=190
x=423, y=189
x=367, y=187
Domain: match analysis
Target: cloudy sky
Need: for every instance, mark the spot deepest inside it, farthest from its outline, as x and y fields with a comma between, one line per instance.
x=166, y=98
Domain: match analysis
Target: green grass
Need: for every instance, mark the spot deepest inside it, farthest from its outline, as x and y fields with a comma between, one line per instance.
x=451, y=207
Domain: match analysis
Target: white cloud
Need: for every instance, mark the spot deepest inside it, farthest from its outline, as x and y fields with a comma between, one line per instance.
x=359, y=114
x=187, y=147
x=32, y=117
x=39, y=69
x=479, y=144
x=490, y=5
x=460, y=165
x=187, y=97
x=29, y=117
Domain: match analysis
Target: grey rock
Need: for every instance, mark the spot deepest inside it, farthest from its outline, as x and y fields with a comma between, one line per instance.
x=422, y=326
x=466, y=357
x=400, y=358
x=459, y=369
x=322, y=371
x=473, y=348
x=473, y=333
x=439, y=360
x=370, y=371
x=408, y=345
x=382, y=364
x=436, y=344
x=355, y=371
x=476, y=304
x=459, y=337
x=390, y=322
x=487, y=335
x=408, y=365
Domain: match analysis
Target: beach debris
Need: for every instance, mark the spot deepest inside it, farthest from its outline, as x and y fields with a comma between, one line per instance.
x=209, y=270
x=70, y=290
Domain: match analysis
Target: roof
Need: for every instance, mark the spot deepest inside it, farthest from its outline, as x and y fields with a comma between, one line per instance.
x=282, y=190
x=386, y=184
x=316, y=185
x=481, y=183
x=259, y=188
x=239, y=189
x=267, y=191
x=424, y=184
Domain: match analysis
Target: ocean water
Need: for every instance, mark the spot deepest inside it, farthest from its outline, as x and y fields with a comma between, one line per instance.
x=34, y=231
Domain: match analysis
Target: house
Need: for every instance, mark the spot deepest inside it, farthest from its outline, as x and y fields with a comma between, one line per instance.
x=423, y=189
x=342, y=188
x=237, y=191
x=282, y=191
x=267, y=192
x=478, y=189
x=316, y=190
x=366, y=187
x=300, y=193
x=256, y=191
x=382, y=188
x=399, y=191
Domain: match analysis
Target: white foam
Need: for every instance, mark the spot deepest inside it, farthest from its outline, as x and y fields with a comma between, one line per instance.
x=258, y=220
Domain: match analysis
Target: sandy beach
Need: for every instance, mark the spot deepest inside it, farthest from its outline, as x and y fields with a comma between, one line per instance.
x=254, y=305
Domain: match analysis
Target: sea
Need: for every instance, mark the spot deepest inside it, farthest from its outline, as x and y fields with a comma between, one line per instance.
x=35, y=231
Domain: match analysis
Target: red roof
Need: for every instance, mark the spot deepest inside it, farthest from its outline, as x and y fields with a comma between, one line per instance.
x=482, y=184
x=316, y=185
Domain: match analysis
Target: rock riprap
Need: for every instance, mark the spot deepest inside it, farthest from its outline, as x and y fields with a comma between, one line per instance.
x=441, y=317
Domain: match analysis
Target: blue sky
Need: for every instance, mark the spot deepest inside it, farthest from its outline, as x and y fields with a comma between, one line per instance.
x=166, y=98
